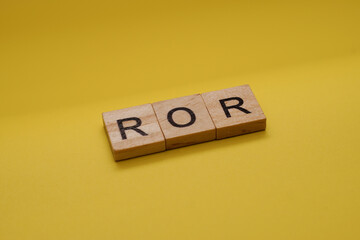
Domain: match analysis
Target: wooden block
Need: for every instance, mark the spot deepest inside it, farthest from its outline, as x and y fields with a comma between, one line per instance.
x=184, y=121
x=133, y=132
x=234, y=111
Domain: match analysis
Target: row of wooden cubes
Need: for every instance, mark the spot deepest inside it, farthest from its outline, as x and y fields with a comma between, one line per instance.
x=156, y=127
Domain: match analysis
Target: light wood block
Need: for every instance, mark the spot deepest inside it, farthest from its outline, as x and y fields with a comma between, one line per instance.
x=234, y=111
x=184, y=121
x=133, y=132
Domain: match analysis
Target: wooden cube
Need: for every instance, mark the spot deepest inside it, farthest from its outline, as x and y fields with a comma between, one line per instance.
x=234, y=111
x=184, y=121
x=133, y=132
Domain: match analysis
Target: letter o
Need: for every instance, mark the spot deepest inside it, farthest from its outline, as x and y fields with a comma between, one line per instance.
x=172, y=122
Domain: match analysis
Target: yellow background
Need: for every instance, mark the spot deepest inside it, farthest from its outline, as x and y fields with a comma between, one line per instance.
x=63, y=63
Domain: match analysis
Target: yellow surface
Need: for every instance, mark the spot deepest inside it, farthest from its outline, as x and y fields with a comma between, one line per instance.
x=62, y=63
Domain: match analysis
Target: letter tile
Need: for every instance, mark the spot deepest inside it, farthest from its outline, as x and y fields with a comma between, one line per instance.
x=133, y=132
x=234, y=111
x=184, y=121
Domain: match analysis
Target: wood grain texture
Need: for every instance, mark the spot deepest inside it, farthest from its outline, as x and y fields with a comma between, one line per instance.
x=245, y=118
x=200, y=127
x=135, y=143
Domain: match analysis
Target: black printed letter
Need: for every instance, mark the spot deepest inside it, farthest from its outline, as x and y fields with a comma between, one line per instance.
x=135, y=127
x=171, y=120
x=237, y=106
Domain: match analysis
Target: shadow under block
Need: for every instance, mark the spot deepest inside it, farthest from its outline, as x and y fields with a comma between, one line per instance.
x=234, y=111
x=133, y=132
x=184, y=121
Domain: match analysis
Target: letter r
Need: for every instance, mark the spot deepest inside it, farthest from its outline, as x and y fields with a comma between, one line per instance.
x=135, y=127
x=237, y=106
